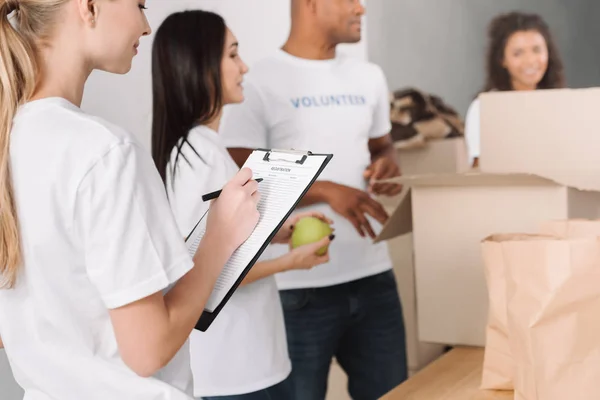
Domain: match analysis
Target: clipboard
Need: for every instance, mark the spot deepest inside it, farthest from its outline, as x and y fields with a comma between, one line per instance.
x=277, y=162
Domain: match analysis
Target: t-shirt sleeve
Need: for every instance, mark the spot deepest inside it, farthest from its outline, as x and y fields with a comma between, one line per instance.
x=133, y=248
x=245, y=125
x=472, y=128
x=381, y=125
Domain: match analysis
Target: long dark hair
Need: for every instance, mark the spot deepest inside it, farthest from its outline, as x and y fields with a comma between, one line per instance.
x=186, y=80
x=500, y=30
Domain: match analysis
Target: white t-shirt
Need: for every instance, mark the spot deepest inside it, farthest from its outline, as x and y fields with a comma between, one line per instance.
x=472, y=130
x=332, y=106
x=245, y=349
x=97, y=234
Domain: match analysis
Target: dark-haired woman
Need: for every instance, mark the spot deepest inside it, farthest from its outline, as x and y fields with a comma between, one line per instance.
x=521, y=55
x=196, y=71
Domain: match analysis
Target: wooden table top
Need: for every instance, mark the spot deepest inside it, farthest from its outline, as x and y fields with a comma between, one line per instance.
x=455, y=376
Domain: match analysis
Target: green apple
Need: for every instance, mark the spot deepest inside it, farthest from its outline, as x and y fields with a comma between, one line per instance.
x=310, y=230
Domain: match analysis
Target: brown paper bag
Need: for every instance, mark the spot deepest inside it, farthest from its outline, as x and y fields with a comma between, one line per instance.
x=553, y=314
x=497, y=362
x=572, y=228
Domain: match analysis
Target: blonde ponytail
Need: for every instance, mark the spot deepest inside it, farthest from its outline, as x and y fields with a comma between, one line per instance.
x=29, y=21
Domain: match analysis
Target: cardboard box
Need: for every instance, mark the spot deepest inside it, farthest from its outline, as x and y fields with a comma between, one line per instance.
x=551, y=133
x=451, y=214
x=437, y=157
x=400, y=246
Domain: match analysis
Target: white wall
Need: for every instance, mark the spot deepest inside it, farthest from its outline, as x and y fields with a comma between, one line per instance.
x=439, y=45
x=261, y=26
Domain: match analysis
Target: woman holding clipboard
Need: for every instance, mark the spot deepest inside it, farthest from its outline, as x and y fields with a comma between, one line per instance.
x=196, y=72
x=98, y=294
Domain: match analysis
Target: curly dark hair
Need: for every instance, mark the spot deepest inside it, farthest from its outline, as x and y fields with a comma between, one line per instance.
x=500, y=30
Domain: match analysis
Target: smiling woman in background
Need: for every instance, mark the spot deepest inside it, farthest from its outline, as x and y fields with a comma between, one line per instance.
x=521, y=55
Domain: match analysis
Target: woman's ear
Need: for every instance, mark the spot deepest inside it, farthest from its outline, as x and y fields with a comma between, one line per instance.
x=88, y=11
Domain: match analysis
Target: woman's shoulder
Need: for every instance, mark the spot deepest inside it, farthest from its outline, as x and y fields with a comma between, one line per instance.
x=198, y=149
x=474, y=106
x=66, y=121
x=476, y=103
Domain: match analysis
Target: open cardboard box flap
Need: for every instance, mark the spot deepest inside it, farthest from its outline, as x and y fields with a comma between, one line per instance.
x=400, y=221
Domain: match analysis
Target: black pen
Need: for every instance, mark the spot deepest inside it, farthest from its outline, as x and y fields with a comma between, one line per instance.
x=214, y=195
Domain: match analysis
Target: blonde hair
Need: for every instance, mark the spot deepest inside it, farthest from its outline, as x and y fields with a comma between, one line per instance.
x=30, y=23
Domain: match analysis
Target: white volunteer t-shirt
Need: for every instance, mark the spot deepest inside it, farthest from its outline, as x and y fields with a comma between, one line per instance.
x=332, y=106
x=97, y=234
x=245, y=349
x=472, y=130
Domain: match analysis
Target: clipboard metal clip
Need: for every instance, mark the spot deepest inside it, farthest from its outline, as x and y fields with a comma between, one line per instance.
x=292, y=156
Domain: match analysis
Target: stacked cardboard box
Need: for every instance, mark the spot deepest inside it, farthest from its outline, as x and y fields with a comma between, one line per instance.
x=436, y=157
x=540, y=160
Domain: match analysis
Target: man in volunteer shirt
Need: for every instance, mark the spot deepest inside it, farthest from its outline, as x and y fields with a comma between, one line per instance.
x=308, y=96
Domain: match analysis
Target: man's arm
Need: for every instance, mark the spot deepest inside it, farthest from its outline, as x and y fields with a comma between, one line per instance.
x=316, y=194
x=1, y=344
x=383, y=147
x=239, y=155
x=384, y=164
x=352, y=204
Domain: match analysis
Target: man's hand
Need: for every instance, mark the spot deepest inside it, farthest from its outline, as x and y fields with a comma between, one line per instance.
x=383, y=168
x=354, y=205
x=284, y=234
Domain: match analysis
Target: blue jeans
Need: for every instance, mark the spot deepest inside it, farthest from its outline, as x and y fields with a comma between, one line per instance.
x=360, y=323
x=281, y=391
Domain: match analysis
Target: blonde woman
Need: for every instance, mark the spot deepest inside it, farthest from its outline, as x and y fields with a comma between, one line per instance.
x=99, y=294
